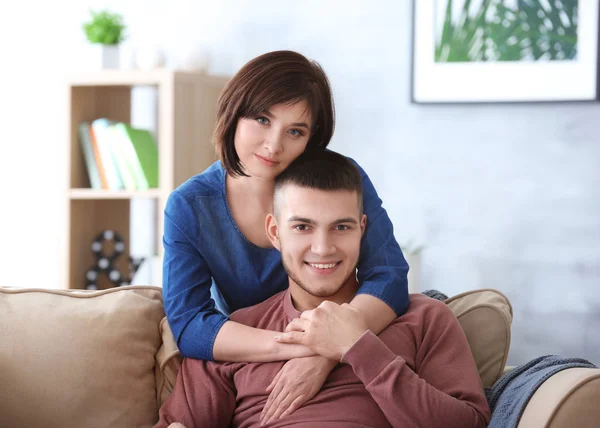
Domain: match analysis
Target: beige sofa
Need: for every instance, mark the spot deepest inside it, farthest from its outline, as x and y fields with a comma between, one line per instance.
x=108, y=359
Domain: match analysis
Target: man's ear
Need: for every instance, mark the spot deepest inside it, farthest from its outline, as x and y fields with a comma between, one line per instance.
x=363, y=225
x=272, y=230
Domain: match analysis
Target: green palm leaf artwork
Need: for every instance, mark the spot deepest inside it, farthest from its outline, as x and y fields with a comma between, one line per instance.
x=505, y=30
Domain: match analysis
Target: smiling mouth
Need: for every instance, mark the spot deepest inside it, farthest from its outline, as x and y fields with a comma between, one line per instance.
x=267, y=161
x=323, y=266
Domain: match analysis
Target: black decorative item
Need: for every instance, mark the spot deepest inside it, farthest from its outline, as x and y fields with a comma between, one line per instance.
x=105, y=263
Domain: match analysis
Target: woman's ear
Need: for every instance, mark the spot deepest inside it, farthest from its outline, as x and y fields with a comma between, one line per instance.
x=272, y=230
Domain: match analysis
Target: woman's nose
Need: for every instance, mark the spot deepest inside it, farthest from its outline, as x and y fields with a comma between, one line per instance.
x=273, y=142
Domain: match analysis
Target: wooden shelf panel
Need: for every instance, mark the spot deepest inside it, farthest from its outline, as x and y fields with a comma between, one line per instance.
x=95, y=194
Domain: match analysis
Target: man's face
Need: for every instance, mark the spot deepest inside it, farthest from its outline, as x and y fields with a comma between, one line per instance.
x=318, y=233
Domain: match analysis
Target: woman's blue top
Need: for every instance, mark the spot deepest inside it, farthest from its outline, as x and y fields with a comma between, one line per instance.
x=210, y=269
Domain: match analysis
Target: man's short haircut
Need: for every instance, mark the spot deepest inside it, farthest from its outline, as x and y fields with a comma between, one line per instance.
x=323, y=170
x=279, y=77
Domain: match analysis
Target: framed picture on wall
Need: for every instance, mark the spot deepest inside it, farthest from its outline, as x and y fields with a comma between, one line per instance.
x=481, y=51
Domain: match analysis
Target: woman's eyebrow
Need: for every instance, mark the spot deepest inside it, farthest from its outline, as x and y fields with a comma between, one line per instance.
x=301, y=125
x=298, y=124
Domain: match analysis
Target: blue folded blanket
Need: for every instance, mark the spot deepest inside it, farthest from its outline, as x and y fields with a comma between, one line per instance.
x=509, y=396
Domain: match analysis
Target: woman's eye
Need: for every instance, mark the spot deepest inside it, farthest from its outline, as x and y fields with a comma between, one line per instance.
x=296, y=133
x=262, y=120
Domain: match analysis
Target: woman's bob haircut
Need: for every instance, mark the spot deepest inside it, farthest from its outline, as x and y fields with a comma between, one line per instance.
x=280, y=77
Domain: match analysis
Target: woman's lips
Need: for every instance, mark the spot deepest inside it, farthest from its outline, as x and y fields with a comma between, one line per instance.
x=266, y=161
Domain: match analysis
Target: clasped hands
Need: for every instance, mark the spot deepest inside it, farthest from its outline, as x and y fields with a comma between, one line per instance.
x=329, y=330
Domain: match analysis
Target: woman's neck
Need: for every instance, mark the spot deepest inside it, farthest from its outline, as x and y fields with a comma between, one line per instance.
x=260, y=190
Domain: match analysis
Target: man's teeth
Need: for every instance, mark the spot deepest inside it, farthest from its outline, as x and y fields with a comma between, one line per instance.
x=322, y=266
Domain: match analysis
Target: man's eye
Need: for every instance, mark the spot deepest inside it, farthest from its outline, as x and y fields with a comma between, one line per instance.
x=262, y=120
x=301, y=227
x=342, y=227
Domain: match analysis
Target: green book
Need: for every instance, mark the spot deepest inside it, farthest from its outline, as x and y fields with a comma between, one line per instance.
x=142, y=155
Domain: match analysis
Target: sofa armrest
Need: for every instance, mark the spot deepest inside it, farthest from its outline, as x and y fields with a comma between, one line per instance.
x=168, y=361
x=568, y=399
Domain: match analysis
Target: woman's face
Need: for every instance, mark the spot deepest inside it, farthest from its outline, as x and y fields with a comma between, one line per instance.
x=267, y=144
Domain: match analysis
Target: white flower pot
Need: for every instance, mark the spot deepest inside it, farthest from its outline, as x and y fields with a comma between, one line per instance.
x=109, y=56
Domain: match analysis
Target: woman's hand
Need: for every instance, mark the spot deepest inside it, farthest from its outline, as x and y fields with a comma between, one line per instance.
x=298, y=381
x=329, y=329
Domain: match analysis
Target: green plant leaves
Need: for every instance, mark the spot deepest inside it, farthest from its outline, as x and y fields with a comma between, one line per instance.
x=105, y=28
x=499, y=31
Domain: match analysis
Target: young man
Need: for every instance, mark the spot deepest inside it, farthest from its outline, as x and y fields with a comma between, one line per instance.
x=419, y=372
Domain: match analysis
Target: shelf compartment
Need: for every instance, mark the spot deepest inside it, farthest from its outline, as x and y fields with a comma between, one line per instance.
x=88, y=219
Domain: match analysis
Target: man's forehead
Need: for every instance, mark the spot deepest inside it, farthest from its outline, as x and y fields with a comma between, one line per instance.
x=319, y=205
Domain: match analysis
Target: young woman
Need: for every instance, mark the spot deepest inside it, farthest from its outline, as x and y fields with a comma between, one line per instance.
x=217, y=255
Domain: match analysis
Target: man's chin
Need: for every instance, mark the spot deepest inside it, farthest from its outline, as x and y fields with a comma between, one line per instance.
x=322, y=292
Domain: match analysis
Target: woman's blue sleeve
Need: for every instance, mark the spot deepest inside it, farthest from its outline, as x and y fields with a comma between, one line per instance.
x=191, y=312
x=382, y=269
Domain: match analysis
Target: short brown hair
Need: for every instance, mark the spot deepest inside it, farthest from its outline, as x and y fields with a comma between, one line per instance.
x=323, y=170
x=279, y=77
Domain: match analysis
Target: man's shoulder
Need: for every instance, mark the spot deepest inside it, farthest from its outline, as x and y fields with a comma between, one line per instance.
x=262, y=314
x=424, y=309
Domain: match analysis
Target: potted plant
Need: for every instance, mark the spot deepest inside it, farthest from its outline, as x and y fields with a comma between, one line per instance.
x=107, y=30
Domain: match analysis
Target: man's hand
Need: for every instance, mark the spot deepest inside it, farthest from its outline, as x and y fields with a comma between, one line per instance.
x=298, y=381
x=329, y=330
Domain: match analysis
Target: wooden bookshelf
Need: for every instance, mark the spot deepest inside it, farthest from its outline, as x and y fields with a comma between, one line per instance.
x=185, y=116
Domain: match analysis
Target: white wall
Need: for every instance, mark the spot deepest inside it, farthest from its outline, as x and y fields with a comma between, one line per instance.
x=502, y=196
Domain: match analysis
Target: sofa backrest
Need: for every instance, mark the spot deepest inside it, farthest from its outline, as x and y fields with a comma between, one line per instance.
x=87, y=359
x=108, y=358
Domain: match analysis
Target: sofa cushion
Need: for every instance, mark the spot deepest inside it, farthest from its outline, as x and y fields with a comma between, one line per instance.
x=567, y=399
x=486, y=317
x=168, y=363
x=77, y=358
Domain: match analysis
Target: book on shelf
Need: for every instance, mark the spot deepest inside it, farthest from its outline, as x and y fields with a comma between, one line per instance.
x=96, y=150
x=141, y=153
x=118, y=156
x=89, y=156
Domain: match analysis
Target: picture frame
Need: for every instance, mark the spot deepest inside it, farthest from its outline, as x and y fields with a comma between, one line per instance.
x=505, y=51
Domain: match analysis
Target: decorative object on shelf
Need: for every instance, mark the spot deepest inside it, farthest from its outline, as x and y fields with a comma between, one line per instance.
x=106, y=30
x=148, y=57
x=192, y=57
x=105, y=262
x=134, y=266
x=412, y=254
x=500, y=51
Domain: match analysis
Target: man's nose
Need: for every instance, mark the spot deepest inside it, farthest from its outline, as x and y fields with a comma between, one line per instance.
x=322, y=244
